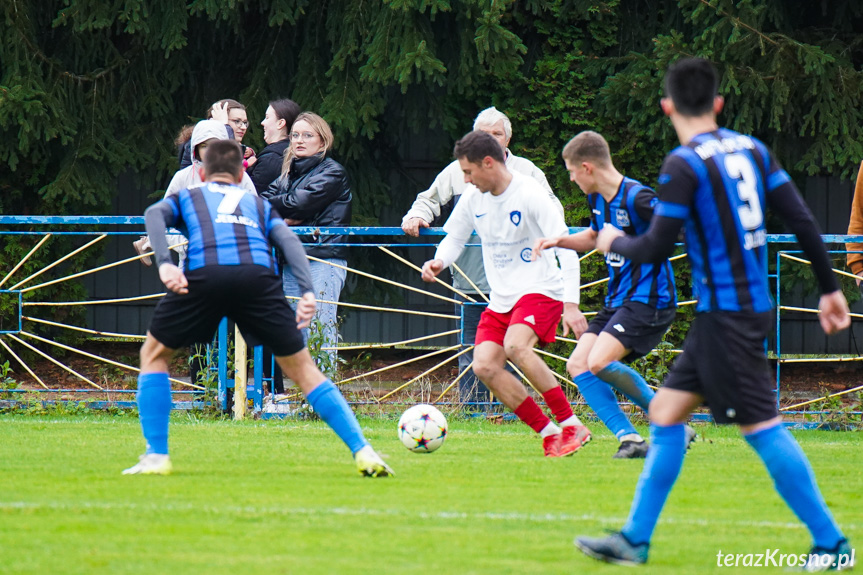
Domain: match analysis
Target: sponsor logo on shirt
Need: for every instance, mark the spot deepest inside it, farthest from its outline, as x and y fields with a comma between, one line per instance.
x=232, y=219
x=480, y=215
x=614, y=260
x=622, y=218
x=525, y=254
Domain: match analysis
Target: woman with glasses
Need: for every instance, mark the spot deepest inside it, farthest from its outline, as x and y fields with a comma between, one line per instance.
x=313, y=190
x=267, y=165
x=228, y=112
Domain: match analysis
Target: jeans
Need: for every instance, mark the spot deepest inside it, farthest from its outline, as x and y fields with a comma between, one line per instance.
x=328, y=282
x=470, y=389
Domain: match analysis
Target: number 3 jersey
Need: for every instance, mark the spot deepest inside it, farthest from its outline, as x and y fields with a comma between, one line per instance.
x=719, y=185
x=630, y=210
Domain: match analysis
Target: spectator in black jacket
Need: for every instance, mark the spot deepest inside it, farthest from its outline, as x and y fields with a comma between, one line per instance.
x=313, y=190
x=267, y=165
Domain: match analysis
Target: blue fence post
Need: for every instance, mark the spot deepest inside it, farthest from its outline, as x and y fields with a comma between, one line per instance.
x=778, y=323
x=224, y=383
x=257, y=378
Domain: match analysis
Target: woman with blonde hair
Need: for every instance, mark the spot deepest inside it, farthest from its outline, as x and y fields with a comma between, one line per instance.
x=313, y=190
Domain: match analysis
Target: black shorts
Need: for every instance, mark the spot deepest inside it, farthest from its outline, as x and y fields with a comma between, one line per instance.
x=250, y=295
x=723, y=360
x=639, y=327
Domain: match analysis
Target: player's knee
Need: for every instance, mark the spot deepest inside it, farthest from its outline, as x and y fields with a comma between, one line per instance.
x=576, y=365
x=485, y=370
x=516, y=352
x=663, y=413
x=597, y=364
x=152, y=351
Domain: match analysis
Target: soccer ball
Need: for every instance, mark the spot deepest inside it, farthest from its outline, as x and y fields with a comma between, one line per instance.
x=422, y=428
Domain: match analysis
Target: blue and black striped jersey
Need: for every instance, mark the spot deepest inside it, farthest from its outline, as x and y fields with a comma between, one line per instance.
x=718, y=185
x=630, y=210
x=225, y=226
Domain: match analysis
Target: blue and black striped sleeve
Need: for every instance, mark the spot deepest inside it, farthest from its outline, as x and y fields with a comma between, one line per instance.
x=157, y=219
x=644, y=203
x=677, y=185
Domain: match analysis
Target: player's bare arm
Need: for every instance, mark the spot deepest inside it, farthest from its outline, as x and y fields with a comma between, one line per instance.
x=431, y=269
x=834, y=315
x=173, y=278
x=306, y=306
x=573, y=320
x=582, y=241
x=412, y=226
x=606, y=236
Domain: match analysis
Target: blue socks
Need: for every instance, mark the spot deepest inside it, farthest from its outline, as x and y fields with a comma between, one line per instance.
x=664, y=460
x=628, y=382
x=154, y=409
x=795, y=482
x=602, y=401
x=785, y=461
x=328, y=402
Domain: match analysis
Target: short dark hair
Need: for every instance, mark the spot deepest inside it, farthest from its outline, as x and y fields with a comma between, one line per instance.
x=587, y=146
x=477, y=145
x=223, y=157
x=692, y=84
x=287, y=110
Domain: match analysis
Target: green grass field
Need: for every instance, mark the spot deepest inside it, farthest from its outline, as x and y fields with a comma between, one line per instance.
x=283, y=497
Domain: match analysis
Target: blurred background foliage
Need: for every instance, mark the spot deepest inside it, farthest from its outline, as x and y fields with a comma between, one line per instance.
x=92, y=89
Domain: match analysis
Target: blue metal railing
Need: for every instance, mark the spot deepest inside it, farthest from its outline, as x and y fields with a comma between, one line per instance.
x=135, y=226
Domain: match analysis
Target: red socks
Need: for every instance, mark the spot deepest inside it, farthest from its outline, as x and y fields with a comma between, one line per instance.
x=558, y=404
x=530, y=413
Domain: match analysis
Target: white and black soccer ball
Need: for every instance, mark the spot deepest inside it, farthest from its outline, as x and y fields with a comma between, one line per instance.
x=422, y=428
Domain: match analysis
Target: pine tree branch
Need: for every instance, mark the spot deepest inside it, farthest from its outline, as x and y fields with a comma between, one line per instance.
x=55, y=65
x=738, y=22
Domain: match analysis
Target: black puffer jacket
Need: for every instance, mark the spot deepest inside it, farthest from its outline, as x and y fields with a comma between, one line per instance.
x=315, y=191
x=268, y=166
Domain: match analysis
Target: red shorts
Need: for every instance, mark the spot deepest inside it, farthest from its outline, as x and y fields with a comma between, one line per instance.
x=539, y=312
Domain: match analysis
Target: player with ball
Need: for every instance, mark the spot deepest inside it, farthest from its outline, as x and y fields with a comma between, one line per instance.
x=528, y=298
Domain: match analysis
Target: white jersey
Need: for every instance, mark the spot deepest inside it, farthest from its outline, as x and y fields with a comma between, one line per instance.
x=450, y=184
x=508, y=225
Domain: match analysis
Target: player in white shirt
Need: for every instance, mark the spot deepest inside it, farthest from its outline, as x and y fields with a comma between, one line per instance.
x=509, y=212
x=443, y=194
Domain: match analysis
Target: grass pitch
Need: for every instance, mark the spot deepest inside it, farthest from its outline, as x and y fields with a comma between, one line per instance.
x=281, y=497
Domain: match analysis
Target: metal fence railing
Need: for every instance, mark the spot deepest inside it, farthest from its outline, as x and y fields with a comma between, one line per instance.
x=427, y=318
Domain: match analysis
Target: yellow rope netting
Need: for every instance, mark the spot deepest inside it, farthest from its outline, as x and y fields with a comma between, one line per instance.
x=61, y=260
x=25, y=258
x=414, y=267
x=423, y=374
x=24, y=365
x=96, y=357
x=401, y=363
x=55, y=362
